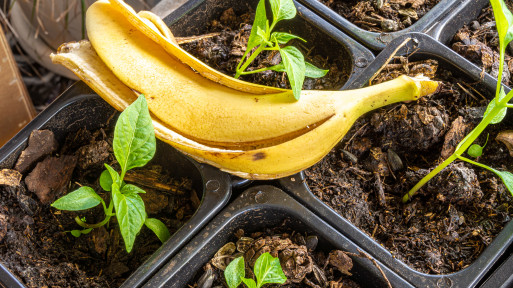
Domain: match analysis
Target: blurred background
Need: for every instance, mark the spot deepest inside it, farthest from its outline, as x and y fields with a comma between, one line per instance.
x=29, y=31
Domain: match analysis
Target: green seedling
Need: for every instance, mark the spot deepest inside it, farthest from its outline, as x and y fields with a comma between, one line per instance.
x=134, y=145
x=263, y=38
x=267, y=270
x=495, y=112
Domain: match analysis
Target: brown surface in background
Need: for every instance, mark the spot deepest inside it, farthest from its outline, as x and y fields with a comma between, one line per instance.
x=16, y=108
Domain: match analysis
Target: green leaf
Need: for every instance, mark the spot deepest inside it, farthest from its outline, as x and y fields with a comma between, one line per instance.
x=492, y=106
x=261, y=33
x=234, y=272
x=268, y=270
x=259, y=22
x=294, y=63
x=283, y=9
x=130, y=213
x=78, y=233
x=134, y=137
x=506, y=177
x=106, y=180
x=158, y=228
x=114, y=176
x=81, y=199
x=504, y=22
x=314, y=72
x=129, y=188
x=475, y=150
x=249, y=282
x=283, y=38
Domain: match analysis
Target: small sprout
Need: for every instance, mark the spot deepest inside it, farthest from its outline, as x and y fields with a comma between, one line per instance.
x=495, y=112
x=263, y=39
x=134, y=145
x=475, y=150
x=267, y=270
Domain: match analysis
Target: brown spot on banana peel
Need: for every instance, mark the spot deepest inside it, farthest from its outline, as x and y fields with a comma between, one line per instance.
x=258, y=156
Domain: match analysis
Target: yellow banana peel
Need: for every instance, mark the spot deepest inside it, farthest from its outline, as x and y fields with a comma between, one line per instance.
x=252, y=131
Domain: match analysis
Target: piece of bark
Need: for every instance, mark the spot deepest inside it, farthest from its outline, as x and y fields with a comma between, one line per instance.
x=27, y=204
x=40, y=144
x=93, y=155
x=10, y=177
x=154, y=201
x=506, y=137
x=50, y=177
x=455, y=134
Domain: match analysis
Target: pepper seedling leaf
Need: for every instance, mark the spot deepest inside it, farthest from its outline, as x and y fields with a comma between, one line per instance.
x=106, y=180
x=475, y=150
x=129, y=188
x=249, y=282
x=134, y=137
x=503, y=21
x=81, y=199
x=131, y=214
x=310, y=70
x=492, y=105
x=283, y=9
x=283, y=38
x=158, y=228
x=234, y=272
x=506, y=177
x=294, y=64
x=268, y=270
x=259, y=23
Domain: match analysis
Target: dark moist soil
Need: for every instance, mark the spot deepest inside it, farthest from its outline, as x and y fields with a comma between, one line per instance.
x=381, y=15
x=226, y=41
x=458, y=213
x=302, y=263
x=37, y=246
x=479, y=43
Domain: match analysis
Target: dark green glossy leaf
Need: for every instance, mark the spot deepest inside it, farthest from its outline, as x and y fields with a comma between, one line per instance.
x=134, y=137
x=234, y=272
x=268, y=270
x=130, y=213
x=81, y=199
x=283, y=38
x=106, y=180
x=294, y=63
x=283, y=9
x=158, y=228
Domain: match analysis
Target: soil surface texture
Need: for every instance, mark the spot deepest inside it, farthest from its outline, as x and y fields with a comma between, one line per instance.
x=459, y=212
x=226, y=41
x=302, y=263
x=479, y=42
x=35, y=240
x=381, y=15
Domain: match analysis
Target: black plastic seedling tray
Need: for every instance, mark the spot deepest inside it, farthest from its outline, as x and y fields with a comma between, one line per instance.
x=378, y=41
x=78, y=108
x=194, y=16
x=461, y=15
x=424, y=47
x=256, y=209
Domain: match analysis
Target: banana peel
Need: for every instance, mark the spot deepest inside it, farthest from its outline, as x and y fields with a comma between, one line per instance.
x=252, y=131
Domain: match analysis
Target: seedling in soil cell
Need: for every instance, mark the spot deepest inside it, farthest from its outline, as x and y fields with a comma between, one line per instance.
x=267, y=270
x=495, y=112
x=134, y=146
x=263, y=39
